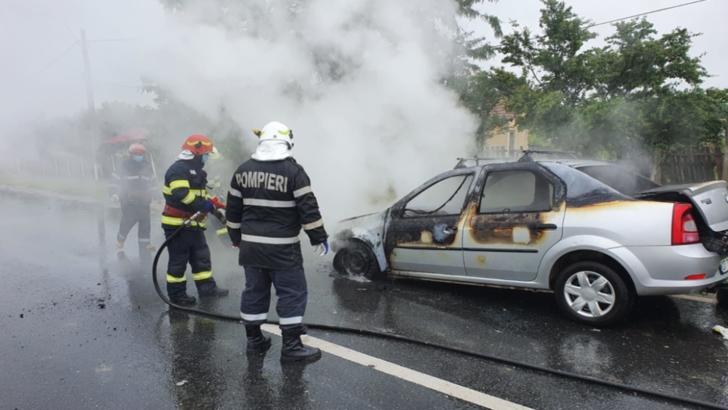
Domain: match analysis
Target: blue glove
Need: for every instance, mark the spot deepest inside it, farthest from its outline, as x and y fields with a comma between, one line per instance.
x=322, y=248
x=209, y=206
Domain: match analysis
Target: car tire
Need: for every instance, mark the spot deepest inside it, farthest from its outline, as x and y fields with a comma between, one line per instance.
x=722, y=297
x=357, y=259
x=593, y=293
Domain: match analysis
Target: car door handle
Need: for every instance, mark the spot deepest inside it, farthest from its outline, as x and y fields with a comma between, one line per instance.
x=543, y=227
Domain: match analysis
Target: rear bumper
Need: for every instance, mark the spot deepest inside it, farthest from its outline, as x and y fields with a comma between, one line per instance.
x=661, y=270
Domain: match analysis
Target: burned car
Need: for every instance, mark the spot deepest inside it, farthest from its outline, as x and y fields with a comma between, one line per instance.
x=548, y=224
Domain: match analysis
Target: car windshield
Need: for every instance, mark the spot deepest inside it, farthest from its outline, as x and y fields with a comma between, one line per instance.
x=582, y=189
x=619, y=178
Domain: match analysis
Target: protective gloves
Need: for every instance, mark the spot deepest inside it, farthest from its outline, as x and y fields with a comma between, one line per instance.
x=322, y=248
x=217, y=202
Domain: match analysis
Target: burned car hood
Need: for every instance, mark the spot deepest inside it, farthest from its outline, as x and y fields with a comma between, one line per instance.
x=710, y=199
x=368, y=228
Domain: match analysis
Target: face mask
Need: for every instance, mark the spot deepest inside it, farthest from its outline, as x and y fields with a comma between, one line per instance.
x=205, y=157
x=138, y=158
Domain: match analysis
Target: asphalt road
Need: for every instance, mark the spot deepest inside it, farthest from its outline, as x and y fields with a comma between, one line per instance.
x=81, y=331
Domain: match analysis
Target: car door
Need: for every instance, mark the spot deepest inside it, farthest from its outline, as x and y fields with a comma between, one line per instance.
x=425, y=230
x=516, y=218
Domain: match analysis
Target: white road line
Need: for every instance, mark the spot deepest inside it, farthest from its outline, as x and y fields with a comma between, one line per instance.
x=696, y=298
x=404, y=373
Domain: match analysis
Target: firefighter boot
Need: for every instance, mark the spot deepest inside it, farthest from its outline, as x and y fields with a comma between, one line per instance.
x=293, y=349
x=257, y=342
x=208, y=288
x=177, y=293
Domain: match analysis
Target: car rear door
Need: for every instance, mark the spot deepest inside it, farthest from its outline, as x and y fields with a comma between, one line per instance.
x=425, y=230
x=516, y=218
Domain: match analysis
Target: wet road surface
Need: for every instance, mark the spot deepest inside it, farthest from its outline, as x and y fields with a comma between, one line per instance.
x=76, y=335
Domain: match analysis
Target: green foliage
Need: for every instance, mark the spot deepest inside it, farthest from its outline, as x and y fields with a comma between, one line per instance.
x=638, y=92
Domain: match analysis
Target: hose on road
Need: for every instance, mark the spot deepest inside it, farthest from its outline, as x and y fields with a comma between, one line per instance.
x=403, y=339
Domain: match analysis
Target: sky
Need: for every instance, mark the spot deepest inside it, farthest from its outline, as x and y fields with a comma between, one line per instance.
x=707, y=18
x=42, y=72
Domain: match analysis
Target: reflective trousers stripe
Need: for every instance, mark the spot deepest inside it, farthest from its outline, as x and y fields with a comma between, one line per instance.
x=290, y=320
x=313, y=225
x=233, y=225
x=202, y=275
x=174, y=279
x=269, y=239
x=174, y=221
x=221, y=231
x=302, y=191
x=269, y=203
x=251, y=318
x=235, y=192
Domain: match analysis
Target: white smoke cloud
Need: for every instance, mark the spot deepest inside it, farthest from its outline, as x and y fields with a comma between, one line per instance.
x=359, y=82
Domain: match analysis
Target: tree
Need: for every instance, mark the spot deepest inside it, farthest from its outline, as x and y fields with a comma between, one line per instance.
x=639, y=92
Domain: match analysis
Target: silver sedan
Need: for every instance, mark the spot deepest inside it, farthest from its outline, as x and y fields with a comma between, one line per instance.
x=550, y=225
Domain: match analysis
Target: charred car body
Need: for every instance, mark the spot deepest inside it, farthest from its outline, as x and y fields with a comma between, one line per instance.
x=552, y=225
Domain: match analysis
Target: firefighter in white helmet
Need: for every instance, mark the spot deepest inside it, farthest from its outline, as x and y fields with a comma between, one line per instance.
x=269, y=201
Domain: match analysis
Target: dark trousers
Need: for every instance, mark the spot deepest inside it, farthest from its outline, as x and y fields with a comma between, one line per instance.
x=189, y=246
x=290, y=285
x=133, y=213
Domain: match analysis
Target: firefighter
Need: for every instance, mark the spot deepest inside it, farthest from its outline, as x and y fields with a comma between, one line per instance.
x=269, y=201
x=185, y=194
x=134, y=193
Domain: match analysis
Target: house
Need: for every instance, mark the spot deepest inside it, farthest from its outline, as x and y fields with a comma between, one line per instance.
x=506, y=140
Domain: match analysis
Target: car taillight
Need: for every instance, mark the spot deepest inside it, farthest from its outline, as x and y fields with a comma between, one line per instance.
x=684, y=228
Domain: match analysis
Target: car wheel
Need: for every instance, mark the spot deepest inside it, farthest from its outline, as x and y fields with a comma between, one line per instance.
x=593, y=293
x=357, y=259
x=722, y=296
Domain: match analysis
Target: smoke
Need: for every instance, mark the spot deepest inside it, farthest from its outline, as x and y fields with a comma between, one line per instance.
x=359, y=82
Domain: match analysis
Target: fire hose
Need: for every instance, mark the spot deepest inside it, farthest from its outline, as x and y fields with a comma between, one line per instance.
x=404, y=339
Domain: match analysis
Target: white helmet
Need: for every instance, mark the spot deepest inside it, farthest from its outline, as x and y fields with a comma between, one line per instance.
x=275, y=131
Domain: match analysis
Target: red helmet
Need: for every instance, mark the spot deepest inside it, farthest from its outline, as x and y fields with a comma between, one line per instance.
x=137, y=149
x=198, y=144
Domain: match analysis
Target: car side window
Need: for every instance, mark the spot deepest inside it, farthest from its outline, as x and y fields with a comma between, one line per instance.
x=516, y=191
x=445, y=197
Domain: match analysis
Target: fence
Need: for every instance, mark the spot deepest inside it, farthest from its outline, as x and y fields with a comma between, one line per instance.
x=695, y=164
x=691, y=164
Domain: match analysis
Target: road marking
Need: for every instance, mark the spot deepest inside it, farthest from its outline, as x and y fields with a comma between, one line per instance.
x=404, y=373
x=696, y=298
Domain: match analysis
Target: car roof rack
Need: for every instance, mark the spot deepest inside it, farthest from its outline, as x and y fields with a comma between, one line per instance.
x=528, y=154
x=462, y=161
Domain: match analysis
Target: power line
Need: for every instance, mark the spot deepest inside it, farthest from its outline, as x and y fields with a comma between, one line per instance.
x=57, y=58
x=645, y=13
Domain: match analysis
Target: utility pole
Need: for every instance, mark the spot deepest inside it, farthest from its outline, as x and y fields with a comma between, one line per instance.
x=100, y=208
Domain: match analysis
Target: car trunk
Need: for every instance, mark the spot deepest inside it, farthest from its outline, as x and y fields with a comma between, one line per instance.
x=710, y=202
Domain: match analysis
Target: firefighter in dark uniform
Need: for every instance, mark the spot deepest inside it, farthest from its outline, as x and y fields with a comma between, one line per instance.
x=135, y=185
x=185, y=194
x=269, y=201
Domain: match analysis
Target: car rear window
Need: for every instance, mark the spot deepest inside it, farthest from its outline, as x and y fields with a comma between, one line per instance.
x=582, y=189
x=619, y=178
